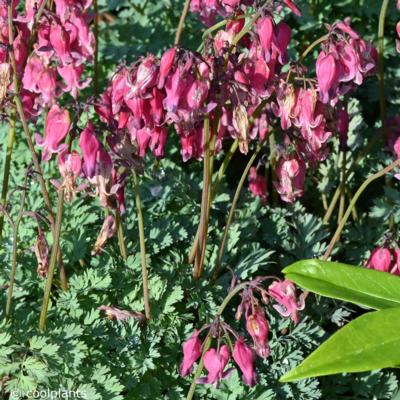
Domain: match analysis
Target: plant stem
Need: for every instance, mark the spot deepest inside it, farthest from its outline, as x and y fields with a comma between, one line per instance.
x=182, y=23
x=357, y=161
x=232, y=212
x=121, y=238
x=207, y=342
x=96, y=49
x=53, y=258
x=213, y=192
x=342, y=202
x=15, y=249
x=203, y=226
x=353, y=202
x=21, y=113
x=312, y=45
x=381, y=60
x=142, y=247
x=7, y=164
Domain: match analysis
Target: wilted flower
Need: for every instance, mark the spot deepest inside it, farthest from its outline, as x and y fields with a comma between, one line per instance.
x=257, y=327
x=191, y=353
x=115, y=313
x=107, y=232
x=291, y=175
x=42, y=254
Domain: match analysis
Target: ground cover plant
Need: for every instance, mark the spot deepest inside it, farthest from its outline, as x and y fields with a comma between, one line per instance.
x=200, y=199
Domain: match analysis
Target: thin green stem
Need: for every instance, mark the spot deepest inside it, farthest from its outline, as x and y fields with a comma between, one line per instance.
x=182, y=23
x=353, y=202
x=381, y=60
x=213, y=192
x=53, y=259
x=232, y=212
x=349, y=174
x=25, y=128
x=202, y=242
x=208, y=340
x=121, y=236
x=15, y=250
x=343, y=172
x=312, y=46
x=142, y=247
x=7, y=165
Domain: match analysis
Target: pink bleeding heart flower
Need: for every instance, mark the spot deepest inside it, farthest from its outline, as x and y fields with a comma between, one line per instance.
x=47, y=85
x=90, y=146
x=265, y=31
x=286, y=98
x=57, y=126
x=257, y=184
x=284, y=292
x=326, y=75
x=72, y=74
x=175, y=87
x=146, y=76
x=191, y=353
x=396, y=147
x=59, y=39
x=196, y=95
x=395, y=267
x=215, y=362
x=380, y=259
x=33, y=70
x=158, y=141
x=281, y=40
x=244, y=358
x=167, y=60
x=291, y=175
x=257, y=327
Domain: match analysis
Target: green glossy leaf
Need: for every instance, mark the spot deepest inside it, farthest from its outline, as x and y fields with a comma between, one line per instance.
x=362, y=286
x=370, y=342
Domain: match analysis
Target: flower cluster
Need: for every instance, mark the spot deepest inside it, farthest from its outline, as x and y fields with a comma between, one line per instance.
x=283, y=293
x=63, y=44
x=210, y=9
x=345, y=61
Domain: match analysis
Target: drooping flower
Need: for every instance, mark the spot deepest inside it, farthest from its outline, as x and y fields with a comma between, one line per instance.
x=380, y=259
x=70, y=166
x=107, y=232
x=244, y=358
x=115, y=313
x=191, y=352
x=166, y=63
x=284, y=292
x=291, y=175
x=57, y=126
x=257, y=184
x=327, y=75
x=257, y=327
x=215, y=362
x=89, y=145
